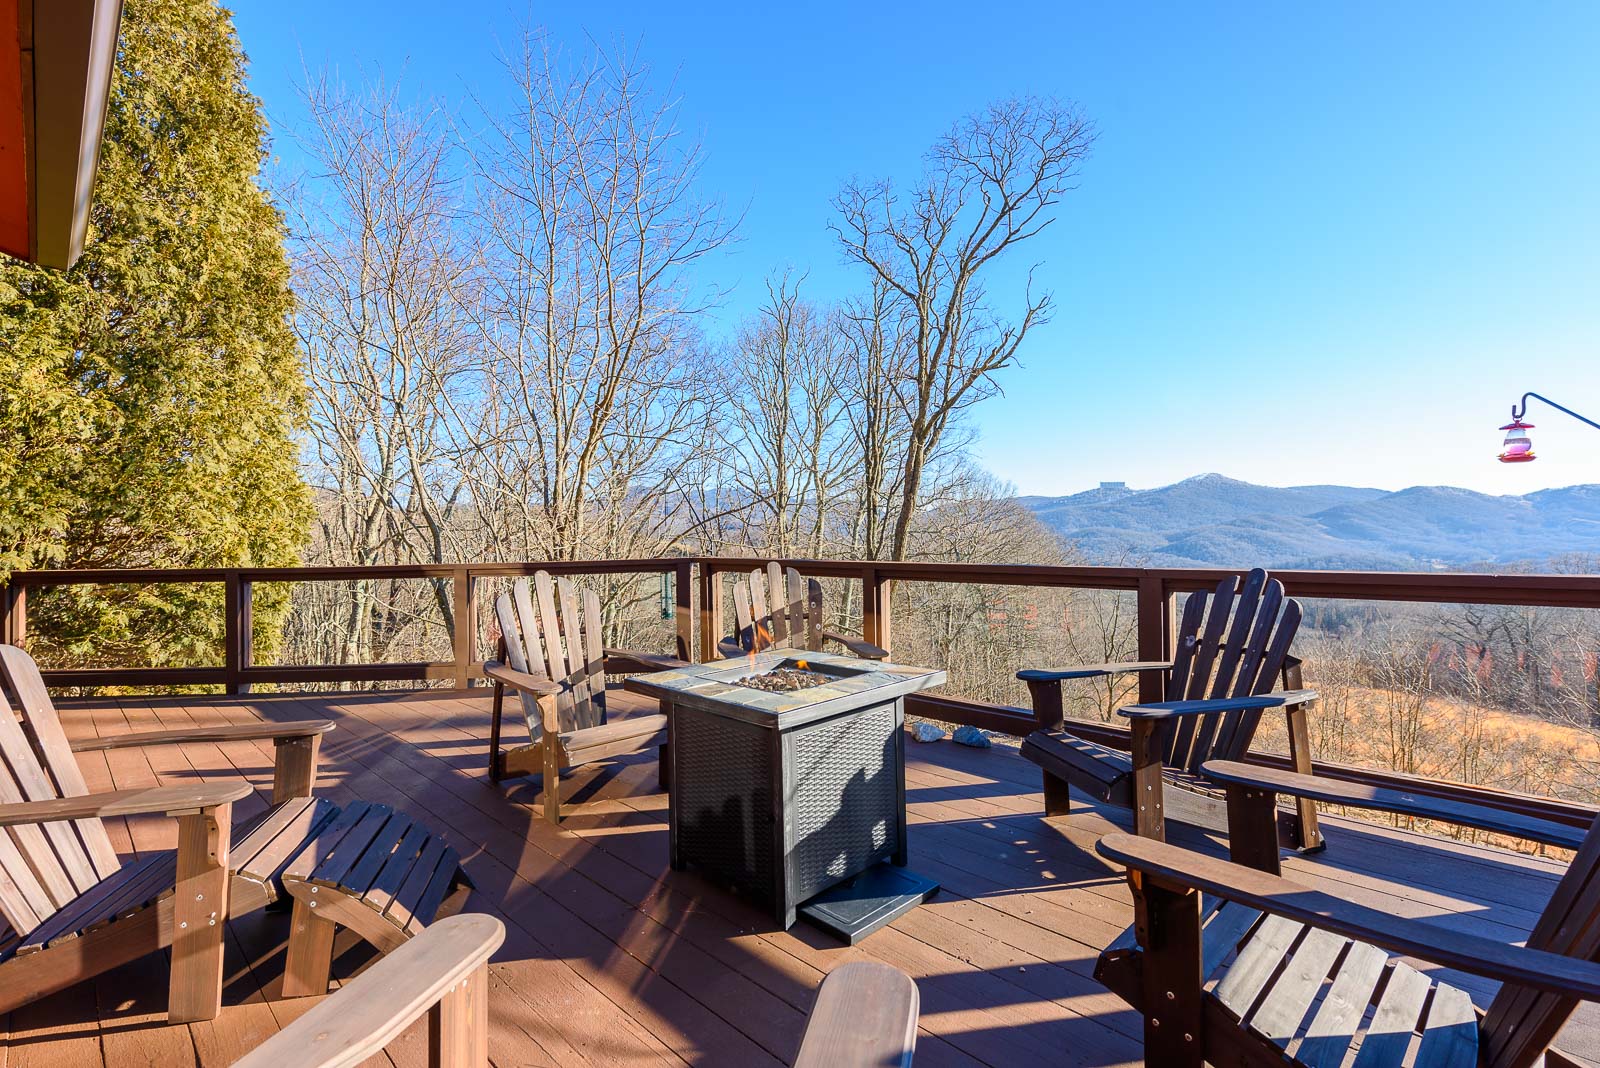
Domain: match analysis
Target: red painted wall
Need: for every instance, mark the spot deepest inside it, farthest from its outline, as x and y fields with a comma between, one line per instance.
x=13, y=159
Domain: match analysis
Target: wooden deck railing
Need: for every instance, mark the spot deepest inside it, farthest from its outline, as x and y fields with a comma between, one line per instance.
x=699, y=593
x=699, y=587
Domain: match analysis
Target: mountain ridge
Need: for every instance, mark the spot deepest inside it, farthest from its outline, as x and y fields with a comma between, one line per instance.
x=1211, y=520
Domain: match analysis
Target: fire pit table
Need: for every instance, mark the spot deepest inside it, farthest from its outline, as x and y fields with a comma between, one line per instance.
x=784, y=793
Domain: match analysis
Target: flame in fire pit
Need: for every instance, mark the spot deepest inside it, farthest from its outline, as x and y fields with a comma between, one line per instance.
x=760, y=638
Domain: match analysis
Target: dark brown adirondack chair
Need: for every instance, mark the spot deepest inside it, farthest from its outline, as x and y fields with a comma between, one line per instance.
x=554, y=661
x=1263, y=970
x=74, y=910
x=778, y=608
x=1232, y=647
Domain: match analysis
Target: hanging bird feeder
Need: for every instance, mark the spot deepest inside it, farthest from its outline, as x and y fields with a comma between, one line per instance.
x=1518, y=447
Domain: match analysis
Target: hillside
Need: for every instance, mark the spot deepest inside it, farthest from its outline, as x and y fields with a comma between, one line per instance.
x=1210, y=520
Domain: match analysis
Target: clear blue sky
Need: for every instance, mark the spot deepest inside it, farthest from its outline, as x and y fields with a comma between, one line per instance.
x=1315, y=243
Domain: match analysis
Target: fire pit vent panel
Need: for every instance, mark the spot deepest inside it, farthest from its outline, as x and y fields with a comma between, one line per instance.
x=846, y=793
x=724, y=800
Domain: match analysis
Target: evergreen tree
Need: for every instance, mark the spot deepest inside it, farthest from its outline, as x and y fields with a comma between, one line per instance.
x=150, y=397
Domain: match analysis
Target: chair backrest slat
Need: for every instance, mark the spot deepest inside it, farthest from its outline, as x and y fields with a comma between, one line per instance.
x=777, y=607
x=1521, y=1023
x=594, y=654
x=510, y=609
x=808, y=593
x=1188, y=638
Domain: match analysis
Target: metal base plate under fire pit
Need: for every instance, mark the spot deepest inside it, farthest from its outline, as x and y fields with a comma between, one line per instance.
x=860, y=905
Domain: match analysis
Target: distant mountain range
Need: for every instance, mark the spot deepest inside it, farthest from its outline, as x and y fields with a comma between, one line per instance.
x=1213, y=521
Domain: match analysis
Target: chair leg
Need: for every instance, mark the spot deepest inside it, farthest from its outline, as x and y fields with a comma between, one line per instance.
x=496, y=706
x=458, y=1026
x=199, y=914
x=310, y=958
x=1057, y=798
x=664, y=765
x=551, y=781
x=1149, y=802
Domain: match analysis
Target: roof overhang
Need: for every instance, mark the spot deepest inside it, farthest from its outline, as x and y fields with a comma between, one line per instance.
x=56, y=61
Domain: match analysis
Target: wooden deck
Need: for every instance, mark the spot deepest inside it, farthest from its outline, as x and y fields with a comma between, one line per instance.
x=611, y=959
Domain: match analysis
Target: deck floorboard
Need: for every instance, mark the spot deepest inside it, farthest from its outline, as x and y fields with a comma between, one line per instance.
x=612, y=959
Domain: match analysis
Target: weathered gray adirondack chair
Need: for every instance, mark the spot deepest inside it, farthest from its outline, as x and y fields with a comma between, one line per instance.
x=554, y=661
x=443, y=972
x=778, y=608
x=865, y=1017
x=75, y=910
x=1225, y=663
x=1266, y=971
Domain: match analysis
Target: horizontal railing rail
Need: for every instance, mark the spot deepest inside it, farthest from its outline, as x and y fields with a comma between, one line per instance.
x=238, y=671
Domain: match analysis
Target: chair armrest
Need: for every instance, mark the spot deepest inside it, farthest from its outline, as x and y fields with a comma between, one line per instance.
x=370, y=1010
x=1173, y=866
x=538, y=685
x=865, y=1017
x=1091, y=671
x=630, y=661
x=229, y=732
x=728, y=648
x=165, y=799
x=857, y=646
x=1169, y=709
x=1384, y=799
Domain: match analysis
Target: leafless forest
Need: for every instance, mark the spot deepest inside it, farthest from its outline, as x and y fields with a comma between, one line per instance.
x=511, y=359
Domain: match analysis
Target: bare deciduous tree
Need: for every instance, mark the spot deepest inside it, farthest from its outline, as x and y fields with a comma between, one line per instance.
x=592, y=396
x=989, y=186
x=379, y=272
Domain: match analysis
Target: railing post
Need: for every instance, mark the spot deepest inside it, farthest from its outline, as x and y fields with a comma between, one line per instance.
x=1154, y=602
x=235, y=632
x=710, y=610
x=464, y=607
x=877, y=623
x=12, y=607
x=683, y=607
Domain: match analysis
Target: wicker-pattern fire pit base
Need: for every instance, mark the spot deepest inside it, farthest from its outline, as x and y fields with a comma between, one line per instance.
x=781, y=795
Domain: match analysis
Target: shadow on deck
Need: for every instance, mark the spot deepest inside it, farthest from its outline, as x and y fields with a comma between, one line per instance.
x=611, y=959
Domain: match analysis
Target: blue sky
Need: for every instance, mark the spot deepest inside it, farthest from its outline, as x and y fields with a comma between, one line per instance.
x=1315, y=243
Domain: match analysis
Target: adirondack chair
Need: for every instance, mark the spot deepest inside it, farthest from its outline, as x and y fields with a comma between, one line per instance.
x=554, y=662
x=777, y=608
x=443, y=972
x=1226, y=660
x=73, y=909
x=1262, y=970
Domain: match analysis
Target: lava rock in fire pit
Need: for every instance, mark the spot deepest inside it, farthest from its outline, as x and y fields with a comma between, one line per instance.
x=784, y=680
